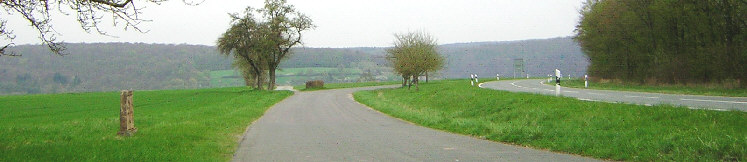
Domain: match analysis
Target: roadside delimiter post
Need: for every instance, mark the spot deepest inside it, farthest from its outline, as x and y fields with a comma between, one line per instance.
x=126, y=121
x=557, y=82
x=472, y=79
x=586, y=81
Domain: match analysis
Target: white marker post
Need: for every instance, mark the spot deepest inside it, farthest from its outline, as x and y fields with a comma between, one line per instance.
x=549, y=78
x=527, y=75
x=557, y=82
x=476, y=81
x=472, y=79
x=497, y=77
x=586, y=81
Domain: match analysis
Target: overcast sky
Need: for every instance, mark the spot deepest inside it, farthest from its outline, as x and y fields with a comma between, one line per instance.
x=342, y=23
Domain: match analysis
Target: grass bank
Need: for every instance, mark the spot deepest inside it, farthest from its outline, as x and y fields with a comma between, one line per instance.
x=346, y=85
x=596, y=129
x=668, y=89
x=173, y=125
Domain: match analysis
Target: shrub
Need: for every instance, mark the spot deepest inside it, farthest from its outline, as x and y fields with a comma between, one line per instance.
x=314, y=84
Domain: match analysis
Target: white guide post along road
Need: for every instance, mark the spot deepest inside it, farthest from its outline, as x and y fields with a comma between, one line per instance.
x=641, y=98
x=330, y=126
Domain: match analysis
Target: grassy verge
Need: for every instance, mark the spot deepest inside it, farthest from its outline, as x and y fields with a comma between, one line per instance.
x=173, y=125
x=669, y=89
x=345, y=85
x=601, y=130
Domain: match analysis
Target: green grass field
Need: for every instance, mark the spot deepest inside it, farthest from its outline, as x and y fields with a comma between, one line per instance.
x=173, y=125
x=669, y=89
x=596, y=129
x=346, y=85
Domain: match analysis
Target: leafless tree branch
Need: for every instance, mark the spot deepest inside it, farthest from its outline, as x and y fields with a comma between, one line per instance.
x=89, y=14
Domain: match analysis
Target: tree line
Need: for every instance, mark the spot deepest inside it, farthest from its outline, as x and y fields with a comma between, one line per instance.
x=671, y=42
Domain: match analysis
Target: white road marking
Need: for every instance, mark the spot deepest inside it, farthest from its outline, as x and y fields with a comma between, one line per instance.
x=641, y=97
x=737, y=102
x=479, y=85
x=586, y=99
x=698, y=108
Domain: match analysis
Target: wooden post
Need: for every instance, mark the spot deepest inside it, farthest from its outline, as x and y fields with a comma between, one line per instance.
x=126, y=122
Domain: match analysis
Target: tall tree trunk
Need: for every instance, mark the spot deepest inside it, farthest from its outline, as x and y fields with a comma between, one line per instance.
x=409, y=85
x=417, y=83
x=426, y=76
x=404, y=80
x=271, y=85
x=257, y=74
x=259, y=82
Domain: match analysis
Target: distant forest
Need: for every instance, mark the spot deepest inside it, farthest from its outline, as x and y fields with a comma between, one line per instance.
x=116, y=66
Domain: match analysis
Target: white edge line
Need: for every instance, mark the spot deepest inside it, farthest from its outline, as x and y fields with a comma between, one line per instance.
x=686, y=99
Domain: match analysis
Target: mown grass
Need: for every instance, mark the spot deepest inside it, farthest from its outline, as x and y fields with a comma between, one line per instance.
x=173, y=125
x=346, y=85
x=596, y=129
x=669, y=89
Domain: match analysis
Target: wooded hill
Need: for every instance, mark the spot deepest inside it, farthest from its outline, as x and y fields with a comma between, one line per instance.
x=116, y=66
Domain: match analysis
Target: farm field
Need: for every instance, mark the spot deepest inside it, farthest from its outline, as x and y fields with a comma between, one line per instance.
x=225, y=78
x=173, y=125
x=596, y=129
x=346, y=85
x=296, y=76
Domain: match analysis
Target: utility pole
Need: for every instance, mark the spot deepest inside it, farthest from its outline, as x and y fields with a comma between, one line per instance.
x=519, y=67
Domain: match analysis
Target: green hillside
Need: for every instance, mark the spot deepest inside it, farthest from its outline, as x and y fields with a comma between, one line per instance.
x=173, y=125
x=116, y=66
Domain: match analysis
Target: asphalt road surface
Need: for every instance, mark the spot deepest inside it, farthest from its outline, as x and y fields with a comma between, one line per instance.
x=641, y=98
x=330, y=126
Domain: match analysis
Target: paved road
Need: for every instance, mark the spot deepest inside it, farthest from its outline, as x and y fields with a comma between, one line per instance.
x=330, y=126
x=642, y=98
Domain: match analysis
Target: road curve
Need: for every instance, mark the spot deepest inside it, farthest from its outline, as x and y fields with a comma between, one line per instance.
x=641, y=98
x=330, y=126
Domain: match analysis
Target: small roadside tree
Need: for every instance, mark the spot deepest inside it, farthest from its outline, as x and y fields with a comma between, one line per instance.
x=264, y=40
x=413, y=55
x=284, y=25
x=246, y=41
